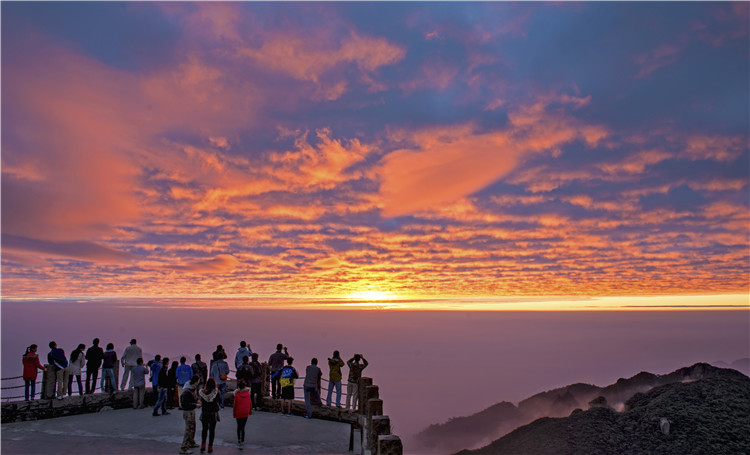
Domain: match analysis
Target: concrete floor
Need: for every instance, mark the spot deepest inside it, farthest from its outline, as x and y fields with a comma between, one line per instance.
x=129, y=431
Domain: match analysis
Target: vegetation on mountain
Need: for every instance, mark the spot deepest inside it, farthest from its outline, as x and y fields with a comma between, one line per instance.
x=481, y=428
x=706, y=416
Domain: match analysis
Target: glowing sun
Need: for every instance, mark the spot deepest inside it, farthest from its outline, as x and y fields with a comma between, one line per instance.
x=371, y=295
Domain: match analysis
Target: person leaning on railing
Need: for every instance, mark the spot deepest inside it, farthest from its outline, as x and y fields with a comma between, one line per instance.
x=31, y=367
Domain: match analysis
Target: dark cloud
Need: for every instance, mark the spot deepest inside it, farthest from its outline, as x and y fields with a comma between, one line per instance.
x=84, y=250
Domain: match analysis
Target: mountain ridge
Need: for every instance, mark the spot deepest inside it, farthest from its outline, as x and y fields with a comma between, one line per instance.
x=706, y=415
x=481, y=428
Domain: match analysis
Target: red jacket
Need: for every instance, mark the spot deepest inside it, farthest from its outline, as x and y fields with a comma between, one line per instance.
x=30, y=365
x=242, y=406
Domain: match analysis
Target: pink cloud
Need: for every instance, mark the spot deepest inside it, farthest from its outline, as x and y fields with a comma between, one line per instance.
x=309, y=58
x=659, y=57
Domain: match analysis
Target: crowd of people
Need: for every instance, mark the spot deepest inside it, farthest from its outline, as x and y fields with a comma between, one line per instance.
x=194, y=386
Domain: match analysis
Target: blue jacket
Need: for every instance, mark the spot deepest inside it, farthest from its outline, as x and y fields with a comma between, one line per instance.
x=184, y=373
x=155, y=367
x=241, y=352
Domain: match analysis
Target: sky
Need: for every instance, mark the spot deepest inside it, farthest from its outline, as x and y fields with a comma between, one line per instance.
x=375, y=150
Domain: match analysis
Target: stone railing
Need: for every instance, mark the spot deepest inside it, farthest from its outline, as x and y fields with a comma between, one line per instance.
x=368, y=420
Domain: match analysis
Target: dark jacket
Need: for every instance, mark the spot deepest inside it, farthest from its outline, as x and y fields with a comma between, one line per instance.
x=57, y=356
x=210, y=401
x=187, y=400
x=172, y=377
x=163, y=377
x=245, y=372
x=257, y=372
x=94, y=357
x=201, y=369
x=110, y=359
x=276, y=361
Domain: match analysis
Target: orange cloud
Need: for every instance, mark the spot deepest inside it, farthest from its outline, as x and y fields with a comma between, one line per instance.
x=222, y=263
x=443, y=164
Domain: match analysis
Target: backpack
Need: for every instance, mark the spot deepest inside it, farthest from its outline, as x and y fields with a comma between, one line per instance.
x=287, y=376
x=254, y=372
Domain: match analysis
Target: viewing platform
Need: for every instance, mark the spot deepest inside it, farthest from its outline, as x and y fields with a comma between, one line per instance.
x=107, y=423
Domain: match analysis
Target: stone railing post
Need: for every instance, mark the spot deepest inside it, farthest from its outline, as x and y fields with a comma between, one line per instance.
x=374, y=410
x=48, y=382
x=265, y=374
x=389, y=445
x=361, y=400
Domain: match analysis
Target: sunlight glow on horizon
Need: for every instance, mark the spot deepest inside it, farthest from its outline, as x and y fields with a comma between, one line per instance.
x=389, y=302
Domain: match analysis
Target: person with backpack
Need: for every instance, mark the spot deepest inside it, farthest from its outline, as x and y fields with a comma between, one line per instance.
x=220, y=372
x=276, y=362
x=287, y=375
x=241, y=409
x=256, y=382
x=242, y=351
x=201, y=369
x=244, y=371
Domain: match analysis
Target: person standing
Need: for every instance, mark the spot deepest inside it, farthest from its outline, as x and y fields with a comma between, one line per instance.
x=209, y=413
x=286, y=379
x=244, y=371
x=31, y=367
x=129, y=358
x=276, y=362
x=163, y=386
x=188, y=404
x=311, y=386
x=172, y=389
x=77, y=360
x=220, y=372
x=57, y=359
x=108, y=367
x=334, y=377
x=241, y=409
x=184, y=374
x=201, y=369
x=94, y=357
x=216, y=354
x=139, y=373
x=355, y=372
x=242, y=351
x=256, y=382
x=155, y=367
